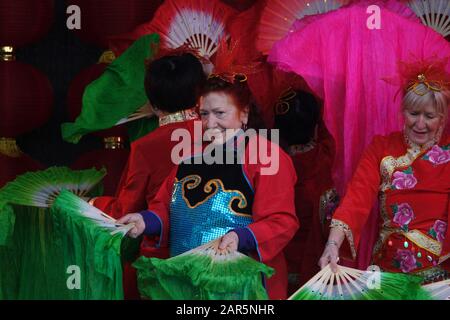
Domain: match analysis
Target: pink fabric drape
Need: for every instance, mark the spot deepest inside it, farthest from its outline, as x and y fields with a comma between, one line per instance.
x=344, y=62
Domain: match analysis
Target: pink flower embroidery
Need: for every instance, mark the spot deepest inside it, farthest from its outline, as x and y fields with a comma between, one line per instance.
x=406, y=260
x=404, y=180
x=438, y=231
x=403, y=214
x=438, y=155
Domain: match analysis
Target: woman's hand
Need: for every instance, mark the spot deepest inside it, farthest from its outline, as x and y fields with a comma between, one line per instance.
x=139, y=224
x=330, y=254
x=229, y=241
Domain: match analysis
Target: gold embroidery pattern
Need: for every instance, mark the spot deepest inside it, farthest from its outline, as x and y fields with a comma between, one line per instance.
x=335, y=223
x=423, y=241
x=179, y=116
x=389, y=164
x=415, y=236
x=193, y=181
x=432, y=274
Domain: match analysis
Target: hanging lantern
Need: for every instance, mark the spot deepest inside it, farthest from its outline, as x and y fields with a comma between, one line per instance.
x=103, y=18
x=24, y=22
x=26, y=96
x=16, y=165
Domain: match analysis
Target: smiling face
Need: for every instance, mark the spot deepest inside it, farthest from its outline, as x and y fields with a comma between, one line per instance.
x=218, y=112
x=422, y=123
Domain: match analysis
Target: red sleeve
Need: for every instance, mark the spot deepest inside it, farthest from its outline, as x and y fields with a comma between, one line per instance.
x=360, y=197
x=133, y=191
x=275, y=221
x=160, y=206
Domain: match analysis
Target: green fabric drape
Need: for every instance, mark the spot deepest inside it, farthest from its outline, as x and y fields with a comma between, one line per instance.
x=116, y=94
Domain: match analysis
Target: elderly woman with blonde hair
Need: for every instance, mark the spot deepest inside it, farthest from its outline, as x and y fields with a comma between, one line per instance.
x=409, y=172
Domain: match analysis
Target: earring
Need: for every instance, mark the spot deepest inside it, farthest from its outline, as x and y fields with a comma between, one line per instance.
x=244, y=126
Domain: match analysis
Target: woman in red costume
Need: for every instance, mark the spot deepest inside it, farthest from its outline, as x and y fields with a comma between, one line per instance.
x=410, y=173
x=245, y=203
x=311, y=147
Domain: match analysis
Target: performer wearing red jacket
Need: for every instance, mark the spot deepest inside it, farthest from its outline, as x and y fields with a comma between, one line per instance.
x=410, y=173
x=172, y=85
x=248, y=203
x=312, y=149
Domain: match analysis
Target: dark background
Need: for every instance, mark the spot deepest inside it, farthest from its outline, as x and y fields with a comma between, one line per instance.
x=61, y=55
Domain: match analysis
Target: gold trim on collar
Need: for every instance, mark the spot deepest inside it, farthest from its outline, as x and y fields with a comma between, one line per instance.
x=389, y=164
x=179, y=116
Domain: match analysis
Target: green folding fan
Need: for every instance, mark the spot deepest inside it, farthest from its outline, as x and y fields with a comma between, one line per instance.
x=72, y=251
x=203, y=273
x=353, y=284
x=40, y=188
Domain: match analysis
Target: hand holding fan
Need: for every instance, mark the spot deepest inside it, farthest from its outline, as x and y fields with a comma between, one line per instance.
x=352, y=284
x=203, y=273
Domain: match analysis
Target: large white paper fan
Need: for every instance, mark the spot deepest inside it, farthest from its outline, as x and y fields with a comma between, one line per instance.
x=433, y=13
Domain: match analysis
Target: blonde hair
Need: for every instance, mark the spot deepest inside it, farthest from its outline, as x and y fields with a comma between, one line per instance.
x=440, y=100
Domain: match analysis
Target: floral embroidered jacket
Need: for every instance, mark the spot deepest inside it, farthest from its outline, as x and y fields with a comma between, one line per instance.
x=413, y=187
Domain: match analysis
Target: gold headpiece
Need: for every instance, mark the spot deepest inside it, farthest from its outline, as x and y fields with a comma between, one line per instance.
x=433, y=85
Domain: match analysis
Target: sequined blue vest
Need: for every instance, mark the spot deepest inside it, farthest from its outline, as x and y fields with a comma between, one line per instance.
x=207, y=201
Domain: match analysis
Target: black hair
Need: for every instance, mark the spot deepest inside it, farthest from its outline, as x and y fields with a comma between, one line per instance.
x=173, y=83
x=297, y=117
x=242, y=96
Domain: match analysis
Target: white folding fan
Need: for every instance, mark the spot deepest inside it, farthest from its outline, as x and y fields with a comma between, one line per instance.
x=40, y=188
x=278, y=17
x=439, y=290
x=353, y=284
x=69, y=204
x=433, y=13
x=200, y=24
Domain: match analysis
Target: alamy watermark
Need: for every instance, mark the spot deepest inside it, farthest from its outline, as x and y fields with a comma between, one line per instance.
x=251, y=147
x=73, y=281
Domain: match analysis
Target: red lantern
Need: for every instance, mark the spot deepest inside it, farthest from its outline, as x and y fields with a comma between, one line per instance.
x=114, y=158
x=14, y=166
x=24, y=22
x=103, y=18
x=26, y=98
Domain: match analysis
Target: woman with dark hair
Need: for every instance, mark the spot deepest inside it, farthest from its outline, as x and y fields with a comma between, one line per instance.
x=243, y=202
x=172, y=85
x=312, y=149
